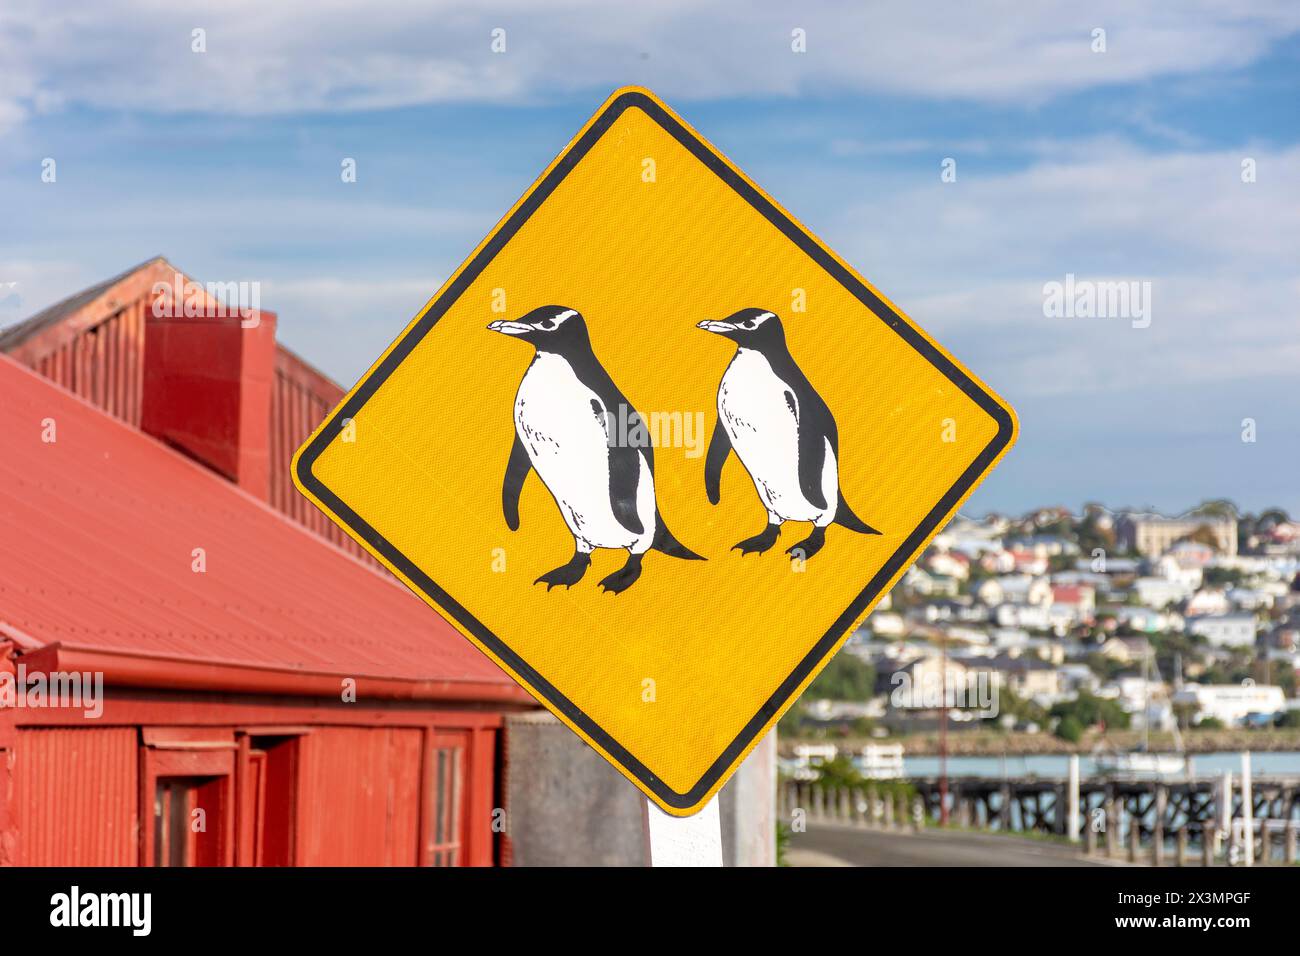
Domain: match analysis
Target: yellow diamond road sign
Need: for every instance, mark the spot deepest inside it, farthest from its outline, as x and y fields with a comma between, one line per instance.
x=655, y=450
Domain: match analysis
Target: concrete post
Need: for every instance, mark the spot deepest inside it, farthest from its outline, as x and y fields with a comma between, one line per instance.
x=1072, y=801
x=1225, y=800
x=747, y=806
x=567, y=807
x=1225, y=808
x=1290, y=841
x=1182, y=846
x=1112, y=821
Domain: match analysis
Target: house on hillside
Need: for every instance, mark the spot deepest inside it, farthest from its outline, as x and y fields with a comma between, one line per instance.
x=1225, y=630
x=1126, y=650
x=1015, y=589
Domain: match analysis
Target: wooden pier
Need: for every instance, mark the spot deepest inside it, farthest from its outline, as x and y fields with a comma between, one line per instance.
x=1202, y=821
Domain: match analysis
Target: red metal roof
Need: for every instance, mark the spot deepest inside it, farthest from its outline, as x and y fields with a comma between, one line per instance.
x=1070, y=593
x=96, y=554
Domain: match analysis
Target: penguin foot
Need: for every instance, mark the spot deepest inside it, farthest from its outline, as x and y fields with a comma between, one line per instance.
x=759, y=542
x=624, y=577
x=809, y=546
x=567, y=574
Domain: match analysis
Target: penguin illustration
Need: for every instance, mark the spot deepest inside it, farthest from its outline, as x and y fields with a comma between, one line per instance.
x=572, y=426
x=781, y=431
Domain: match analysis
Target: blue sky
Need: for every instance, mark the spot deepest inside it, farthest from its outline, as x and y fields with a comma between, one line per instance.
x=1116, y=165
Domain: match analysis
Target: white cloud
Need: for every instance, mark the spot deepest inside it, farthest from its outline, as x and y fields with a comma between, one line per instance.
x=968, y=261
x=266, y=58
x=342, y=325
x=27, y=285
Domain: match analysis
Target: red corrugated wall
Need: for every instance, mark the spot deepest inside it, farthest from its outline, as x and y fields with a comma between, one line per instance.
x=301, y=397
x=75, y=796
x=372, y=814
x=104, y=364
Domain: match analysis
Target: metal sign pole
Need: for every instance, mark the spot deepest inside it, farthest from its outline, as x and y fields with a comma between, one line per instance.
x=682, y=841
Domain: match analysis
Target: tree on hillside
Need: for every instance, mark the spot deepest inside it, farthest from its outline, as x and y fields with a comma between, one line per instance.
x=846, y=677
x=1216, y=508
x=1203, y=535
x=1090, y=710
x=1068, y=728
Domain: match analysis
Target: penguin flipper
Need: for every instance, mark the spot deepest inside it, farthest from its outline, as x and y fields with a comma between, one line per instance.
x=812, y=457
x=845, y=517
x=624, y=477
x=517, y=469
x=719, y=449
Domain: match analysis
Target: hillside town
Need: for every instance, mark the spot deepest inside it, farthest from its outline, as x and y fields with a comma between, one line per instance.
x=1072, y=626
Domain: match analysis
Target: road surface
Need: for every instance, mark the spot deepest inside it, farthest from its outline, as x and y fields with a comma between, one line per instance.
x=832, y=845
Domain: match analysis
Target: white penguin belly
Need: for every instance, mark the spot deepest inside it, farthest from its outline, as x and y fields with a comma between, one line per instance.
x=566, y=442
x=764, y=433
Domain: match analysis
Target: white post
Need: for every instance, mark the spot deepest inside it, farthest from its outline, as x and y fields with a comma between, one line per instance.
x=1225, y=802
x=1225, y=810
x=1247, y=810
x=1072, y=801
x=683, y=841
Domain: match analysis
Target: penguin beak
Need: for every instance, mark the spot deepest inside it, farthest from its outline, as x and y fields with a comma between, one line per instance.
x=721, y=328
x=509, y=328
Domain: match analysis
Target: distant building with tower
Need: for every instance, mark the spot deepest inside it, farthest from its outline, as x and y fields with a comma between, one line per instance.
x=1152, y=535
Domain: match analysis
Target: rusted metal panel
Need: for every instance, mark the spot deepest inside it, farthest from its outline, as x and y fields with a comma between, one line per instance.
x=103, y=364
x=404, y=772
x=359, y=797
x=75, y=793
x=481, y=799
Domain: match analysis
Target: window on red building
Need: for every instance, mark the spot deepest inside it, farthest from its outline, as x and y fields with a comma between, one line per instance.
x=448, y=771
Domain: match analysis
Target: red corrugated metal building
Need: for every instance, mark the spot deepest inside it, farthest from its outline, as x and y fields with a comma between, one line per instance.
x=270, y=698
x=93, y=343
